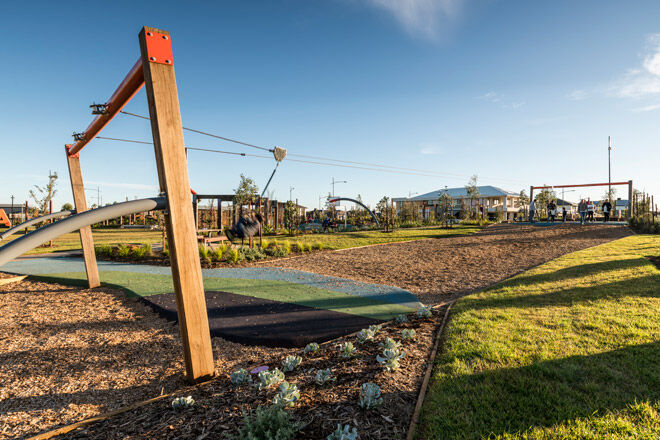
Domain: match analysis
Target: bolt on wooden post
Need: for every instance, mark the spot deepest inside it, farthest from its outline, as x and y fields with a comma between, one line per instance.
x=167, y=130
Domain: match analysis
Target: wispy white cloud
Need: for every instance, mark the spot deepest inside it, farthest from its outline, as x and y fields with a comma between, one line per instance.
x=646, y=108
x=429, y=149
x=498, y=98
x=424, y=18
x=643, y=81
x=577, y=95
x=490, y=97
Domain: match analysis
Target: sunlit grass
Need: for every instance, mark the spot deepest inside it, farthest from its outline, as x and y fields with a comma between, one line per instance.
x=567, y=350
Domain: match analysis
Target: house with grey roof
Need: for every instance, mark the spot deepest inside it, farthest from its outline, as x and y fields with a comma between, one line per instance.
x=492, y=201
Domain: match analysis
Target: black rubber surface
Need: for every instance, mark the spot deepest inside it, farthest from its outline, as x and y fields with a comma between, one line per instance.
x=255, y=321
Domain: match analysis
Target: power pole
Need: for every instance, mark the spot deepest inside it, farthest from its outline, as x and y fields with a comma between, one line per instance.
x=11, y=213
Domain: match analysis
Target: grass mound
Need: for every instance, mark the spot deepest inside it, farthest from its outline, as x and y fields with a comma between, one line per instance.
x=567, y=350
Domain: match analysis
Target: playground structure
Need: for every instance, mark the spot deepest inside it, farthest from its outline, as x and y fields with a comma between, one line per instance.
x=34, y=221
x=4, y=220
x=337, y=199
x=609, y=184
x=154, y=70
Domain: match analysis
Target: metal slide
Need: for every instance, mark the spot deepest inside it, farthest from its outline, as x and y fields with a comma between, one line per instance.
x=49, y=232
x=34, y=221
x=336, y=199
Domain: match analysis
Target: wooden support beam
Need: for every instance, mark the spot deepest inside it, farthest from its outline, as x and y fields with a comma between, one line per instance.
x=160, y=84
x=80, y=201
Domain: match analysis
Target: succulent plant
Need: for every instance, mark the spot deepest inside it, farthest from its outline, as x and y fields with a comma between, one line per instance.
x=240, y=377
x=347, y=350
x=408, y=334
x=288, y=395
x=390, y=358
x=270, y=378
x=183, y=402
x=401, y=318
x=375, y=328
x=370, y=396
x=324, y=376
x=312, y=347
x=424, y=312
x=343, y=433
x=366, y=334
x=390, y=343
x=291, y=362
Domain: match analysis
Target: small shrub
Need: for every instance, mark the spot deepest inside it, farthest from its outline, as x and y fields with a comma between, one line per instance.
x=370, y=396
x=270, y=378
x=298, y=247
x=217, y=253
x=364, y=335
x=203, y=252
x=408, y=334
x=424, y=312
x=232, y=256
x=265, y=244
x=390, y=358
x=308, y=247
x=288, y=395
x=287, y=247
x=343, y=433
x=123, y=251
x=103, y=250
x=347, y=350
x=375, y=328
x=240, y=377
x=291, y=362
x=141, y=252
x=401, y=319
x=183, y=402
x=389, y=344
x=251, y=254
x=311, y=348
x=324, y=376
x=269, y=423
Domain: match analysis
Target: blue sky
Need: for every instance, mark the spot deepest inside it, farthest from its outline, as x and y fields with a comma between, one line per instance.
x=516, y=92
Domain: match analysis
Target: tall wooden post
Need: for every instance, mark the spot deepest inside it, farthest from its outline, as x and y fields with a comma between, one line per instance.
x=160, y=84
x=79, y=200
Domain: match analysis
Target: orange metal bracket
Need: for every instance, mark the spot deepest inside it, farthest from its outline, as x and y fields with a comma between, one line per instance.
x=159, y=48
x=131, y=84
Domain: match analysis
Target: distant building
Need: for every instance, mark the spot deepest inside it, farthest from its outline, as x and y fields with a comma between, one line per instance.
x=491, y=201
x=15, y=213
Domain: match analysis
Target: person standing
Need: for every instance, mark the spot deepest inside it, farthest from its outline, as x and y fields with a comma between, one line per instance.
x=563, y=214
x=552, y=211
x=532, y=210
x=582, y=209
x=590, y=210
x=607, y=208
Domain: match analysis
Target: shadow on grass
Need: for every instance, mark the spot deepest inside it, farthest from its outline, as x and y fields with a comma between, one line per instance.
x=544, y=394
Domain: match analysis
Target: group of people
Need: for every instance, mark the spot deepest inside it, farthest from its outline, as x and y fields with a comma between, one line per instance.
x=586, y=209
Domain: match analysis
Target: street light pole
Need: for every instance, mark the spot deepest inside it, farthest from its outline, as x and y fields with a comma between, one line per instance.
x=609, y=166
x=333, y=185
x=11, y=213
x=290, y=192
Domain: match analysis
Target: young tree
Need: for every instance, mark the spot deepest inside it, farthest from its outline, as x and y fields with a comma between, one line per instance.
x=446, y=203
x=523, y=201
x=290, y=217
x=542, y=199
x=67, y=207
x=610, y=195
x=473, y=194
x=44, y=194
x=246, y=193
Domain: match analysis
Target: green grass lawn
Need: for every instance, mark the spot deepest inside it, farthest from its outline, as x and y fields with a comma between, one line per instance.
x=101, y=236
x=341, y=240
x=568, y=350
x=344, y=240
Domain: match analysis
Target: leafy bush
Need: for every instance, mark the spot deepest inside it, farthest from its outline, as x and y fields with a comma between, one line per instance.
x=389, y=344
x=277, y=252
x=287, y=247
x=643, y=224
x=288, y=395
x=183, y=402
x=375, y=328
x=123, y=251
x=366, y=334
x=270, y=378
x=308, y=247
x=103, y=250
x=347, y=350
x=370, y=396
x=203, y=252
x=343, y=433
x=240, y=377
x=408, y=334
x=265, y=244
x=319, y=245
x=251, y=254
x=390, y=358
x=298, y=247
x=141, y=252
x=270, y=423
x=324, y=376
x=291, y=362
x=312, y=347
x=424, y=312
x=217, y=253
x=233, y=256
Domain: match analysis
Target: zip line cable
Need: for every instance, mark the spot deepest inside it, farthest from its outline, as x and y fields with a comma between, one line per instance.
x=371, y=166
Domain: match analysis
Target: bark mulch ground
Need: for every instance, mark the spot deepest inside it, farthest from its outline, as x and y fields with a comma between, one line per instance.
x=441, y=268
x=257, y=321
x=69, y=353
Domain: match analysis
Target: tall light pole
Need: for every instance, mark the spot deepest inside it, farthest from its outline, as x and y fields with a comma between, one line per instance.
x=333, y=184
x=609, y=166
x=11, y=213
x=291, y=192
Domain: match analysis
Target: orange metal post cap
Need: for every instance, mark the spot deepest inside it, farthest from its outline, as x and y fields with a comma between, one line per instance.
x=159, y=48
